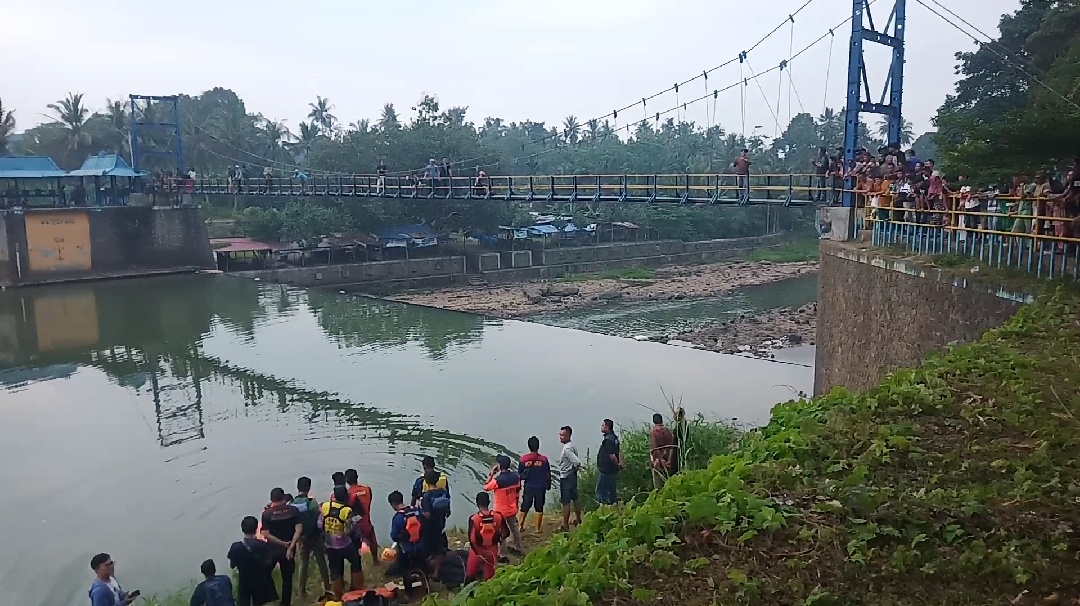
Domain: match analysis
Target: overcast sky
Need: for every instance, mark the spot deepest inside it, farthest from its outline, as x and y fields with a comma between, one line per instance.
x=508, y=58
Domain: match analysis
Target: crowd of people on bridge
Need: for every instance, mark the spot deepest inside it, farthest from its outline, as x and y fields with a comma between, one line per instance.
x=294, y=530
x=900, y=187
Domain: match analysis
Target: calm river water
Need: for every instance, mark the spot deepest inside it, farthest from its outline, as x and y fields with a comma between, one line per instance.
x=145, y=418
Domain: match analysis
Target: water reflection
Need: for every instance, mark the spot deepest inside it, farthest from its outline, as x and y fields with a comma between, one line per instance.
x=48, y=334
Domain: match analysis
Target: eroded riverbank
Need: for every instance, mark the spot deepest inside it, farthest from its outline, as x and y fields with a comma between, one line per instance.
x=668, y=283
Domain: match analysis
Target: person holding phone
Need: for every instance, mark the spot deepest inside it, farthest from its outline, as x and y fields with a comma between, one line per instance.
x=106, y=590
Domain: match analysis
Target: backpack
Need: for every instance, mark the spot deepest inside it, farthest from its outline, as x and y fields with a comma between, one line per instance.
x=411, y=532
x=452, y=569
x=309, y=514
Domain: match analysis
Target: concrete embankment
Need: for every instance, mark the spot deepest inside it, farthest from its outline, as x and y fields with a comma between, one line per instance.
x=386, y=277
x=40, y=246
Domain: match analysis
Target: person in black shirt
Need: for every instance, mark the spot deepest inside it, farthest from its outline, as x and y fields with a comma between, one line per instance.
x=253, y=562
x=282, y=529
x=608, y=464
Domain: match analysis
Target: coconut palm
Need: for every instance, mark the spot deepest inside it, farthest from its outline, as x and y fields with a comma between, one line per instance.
x=571, y=129
x=277, y=136
x=907, y=132
x=593, y=127
x=320, y=114
x=7, y=126
x=388, y=119
x=308, y=134
x=360, y=126
x=71, y=112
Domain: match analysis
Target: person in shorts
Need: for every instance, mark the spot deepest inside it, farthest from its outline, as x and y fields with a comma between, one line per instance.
x=535, y=472
x=568, y=465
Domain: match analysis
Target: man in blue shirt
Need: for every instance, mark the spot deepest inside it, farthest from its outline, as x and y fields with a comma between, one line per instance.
x=405, y=530
x=215, y=590
x=105, y=590
x=421, y=486
x=608, y=464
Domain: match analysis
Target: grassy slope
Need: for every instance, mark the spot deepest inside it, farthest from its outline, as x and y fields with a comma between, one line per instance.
x=954, y=483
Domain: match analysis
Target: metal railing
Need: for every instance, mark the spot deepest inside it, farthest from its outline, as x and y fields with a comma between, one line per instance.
x=790, y=190
x=1023, y=238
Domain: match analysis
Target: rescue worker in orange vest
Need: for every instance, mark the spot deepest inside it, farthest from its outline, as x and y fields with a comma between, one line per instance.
x=405, y=532
x=486, y=531
x=360, y=502
x=505, y=484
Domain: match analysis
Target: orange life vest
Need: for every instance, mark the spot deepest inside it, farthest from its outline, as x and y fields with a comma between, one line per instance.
x=412, y=526
x=486, y=527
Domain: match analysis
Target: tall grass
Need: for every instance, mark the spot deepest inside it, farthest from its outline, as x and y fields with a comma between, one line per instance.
x=702, y=440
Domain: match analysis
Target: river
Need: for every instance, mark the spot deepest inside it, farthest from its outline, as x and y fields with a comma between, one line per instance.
x=145, y=418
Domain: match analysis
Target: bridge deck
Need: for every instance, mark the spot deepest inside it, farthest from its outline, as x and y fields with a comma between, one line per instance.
x=789, y=190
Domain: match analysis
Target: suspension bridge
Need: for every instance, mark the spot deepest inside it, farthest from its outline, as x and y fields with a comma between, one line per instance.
x=728, y=189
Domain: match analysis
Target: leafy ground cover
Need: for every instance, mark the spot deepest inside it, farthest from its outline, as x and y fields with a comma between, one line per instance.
x=953, y=483
x=806, y=249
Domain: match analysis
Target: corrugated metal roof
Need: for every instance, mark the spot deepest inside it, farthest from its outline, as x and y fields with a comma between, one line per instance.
x=29, y=167
x=105, y=165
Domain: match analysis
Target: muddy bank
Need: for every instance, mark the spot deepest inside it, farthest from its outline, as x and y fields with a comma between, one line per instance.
x=677, y=282
x=755, y=333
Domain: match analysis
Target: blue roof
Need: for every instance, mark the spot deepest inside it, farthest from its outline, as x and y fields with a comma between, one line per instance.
x=405, y=232
x=29, y=167
x=105, y=165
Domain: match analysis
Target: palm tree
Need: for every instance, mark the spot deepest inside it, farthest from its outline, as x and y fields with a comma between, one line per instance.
x=571, y=129
x=388, y=119
x=7, y=127
x=830, y=126
x=309, y=132
x=907, y=132
x=320, y=113
x=360, y=126
x=594, y=129
x=278, y=136
x=71, y=112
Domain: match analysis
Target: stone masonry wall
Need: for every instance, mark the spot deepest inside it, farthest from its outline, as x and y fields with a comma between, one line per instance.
x=877, y=314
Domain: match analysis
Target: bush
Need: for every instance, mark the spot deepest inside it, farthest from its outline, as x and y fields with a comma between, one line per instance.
x=705, y=439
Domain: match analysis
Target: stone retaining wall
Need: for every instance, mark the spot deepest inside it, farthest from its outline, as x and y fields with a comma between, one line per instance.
x=878, y=313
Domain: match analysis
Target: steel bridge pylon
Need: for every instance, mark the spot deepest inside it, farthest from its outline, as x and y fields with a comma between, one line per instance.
x=859, y=100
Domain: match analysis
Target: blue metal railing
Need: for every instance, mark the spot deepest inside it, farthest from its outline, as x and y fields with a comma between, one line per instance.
x=983, y=236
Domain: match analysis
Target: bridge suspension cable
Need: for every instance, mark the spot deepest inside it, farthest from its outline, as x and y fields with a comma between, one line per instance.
x=743, y=82
x=614, y=114
x=990, y=47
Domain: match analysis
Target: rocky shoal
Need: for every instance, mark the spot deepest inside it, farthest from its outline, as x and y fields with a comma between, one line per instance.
x=677, y=282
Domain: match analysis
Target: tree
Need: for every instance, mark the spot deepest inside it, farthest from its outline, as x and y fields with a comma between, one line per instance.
x=924, y=146
x=7, y=127
x=907, y=132
x=71, y=112
x=571, y=129
x=309, y=133
x=320, y=114
x=388, y=118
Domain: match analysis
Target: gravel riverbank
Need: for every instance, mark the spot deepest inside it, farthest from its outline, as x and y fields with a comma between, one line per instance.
x=756, y=333
x=676, y=282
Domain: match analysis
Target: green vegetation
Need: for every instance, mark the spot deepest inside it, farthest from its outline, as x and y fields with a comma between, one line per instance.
x=706, y=439
x=953, y=483
x=625, y=273
x=1015, y=107
x=799, y=250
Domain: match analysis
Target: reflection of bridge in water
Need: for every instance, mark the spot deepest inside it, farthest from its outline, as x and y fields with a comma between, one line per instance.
x=49, y=333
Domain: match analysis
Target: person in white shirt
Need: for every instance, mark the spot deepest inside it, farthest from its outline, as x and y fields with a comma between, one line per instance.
x=568, y=465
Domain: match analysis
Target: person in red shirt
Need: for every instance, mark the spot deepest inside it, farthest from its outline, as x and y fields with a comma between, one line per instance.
x=360, y=502
x=487, y=529
x=505, y=484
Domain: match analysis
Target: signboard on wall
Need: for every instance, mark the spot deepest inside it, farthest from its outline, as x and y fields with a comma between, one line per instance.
x=58, y=241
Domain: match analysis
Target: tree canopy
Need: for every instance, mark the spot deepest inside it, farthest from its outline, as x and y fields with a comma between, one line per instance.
x=1015, y=109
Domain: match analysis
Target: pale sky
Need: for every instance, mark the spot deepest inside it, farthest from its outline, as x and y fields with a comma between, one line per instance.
x=508, y=58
